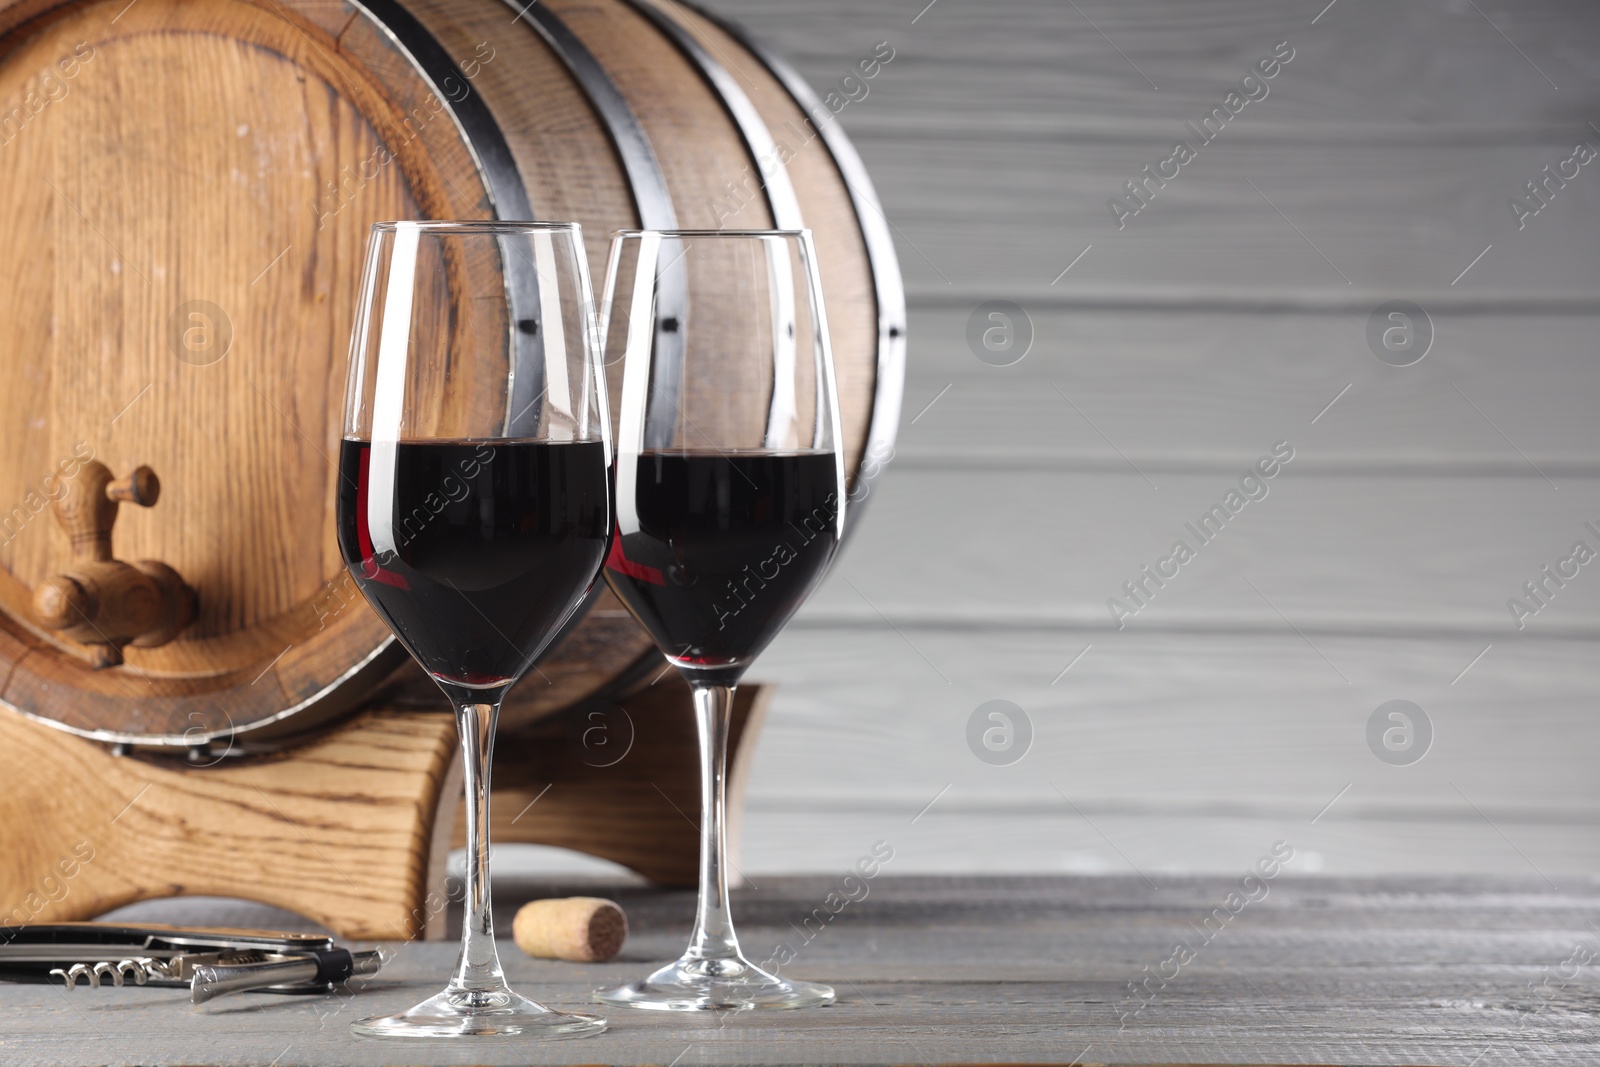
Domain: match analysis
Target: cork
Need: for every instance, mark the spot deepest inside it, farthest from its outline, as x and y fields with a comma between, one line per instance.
x=580, y=929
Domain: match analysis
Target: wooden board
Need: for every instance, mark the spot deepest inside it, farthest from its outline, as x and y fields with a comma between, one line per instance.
x=1179, y=750
x=349, y=831
x=1040, y=67
x=975, y=970
x=1392, y=221
x=1337, y=552
x=1193, y=391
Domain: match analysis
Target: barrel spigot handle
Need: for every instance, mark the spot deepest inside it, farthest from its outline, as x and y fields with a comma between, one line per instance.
x=102, y=602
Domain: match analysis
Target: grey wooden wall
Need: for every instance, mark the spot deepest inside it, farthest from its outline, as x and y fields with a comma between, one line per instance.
x=1225, y=317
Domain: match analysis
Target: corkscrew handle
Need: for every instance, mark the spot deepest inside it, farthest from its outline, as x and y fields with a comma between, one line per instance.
x=314, y=969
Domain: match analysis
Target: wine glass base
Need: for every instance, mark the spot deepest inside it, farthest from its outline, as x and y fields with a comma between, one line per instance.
x=467, y=1013
x=715, y=985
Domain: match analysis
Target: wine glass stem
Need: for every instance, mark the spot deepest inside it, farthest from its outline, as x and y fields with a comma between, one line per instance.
x=478, y=969
x=713, y=937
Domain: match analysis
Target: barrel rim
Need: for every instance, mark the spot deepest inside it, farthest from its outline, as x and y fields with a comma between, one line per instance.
x=377, y=665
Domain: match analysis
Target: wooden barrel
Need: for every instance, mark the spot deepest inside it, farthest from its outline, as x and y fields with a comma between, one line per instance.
x=185, y=192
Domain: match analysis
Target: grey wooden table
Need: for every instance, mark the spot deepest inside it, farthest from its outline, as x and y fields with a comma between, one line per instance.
x=974, y=970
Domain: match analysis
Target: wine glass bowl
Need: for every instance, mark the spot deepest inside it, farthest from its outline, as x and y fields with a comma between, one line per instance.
x=730, y=502
x=475, y=510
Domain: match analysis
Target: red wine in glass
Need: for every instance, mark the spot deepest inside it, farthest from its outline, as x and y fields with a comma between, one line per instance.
x=492, y=543
x=729, y=546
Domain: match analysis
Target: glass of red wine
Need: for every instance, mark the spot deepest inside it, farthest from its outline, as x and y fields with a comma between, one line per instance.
x=730, y=502
x=475, y=509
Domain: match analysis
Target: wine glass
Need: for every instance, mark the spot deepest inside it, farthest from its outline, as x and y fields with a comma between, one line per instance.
x=475, y=509
x=730, y=502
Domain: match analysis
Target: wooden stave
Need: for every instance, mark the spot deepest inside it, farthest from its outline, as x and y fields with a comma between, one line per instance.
x=407, y=685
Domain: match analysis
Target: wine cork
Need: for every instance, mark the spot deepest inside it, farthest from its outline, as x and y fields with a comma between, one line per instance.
x=580, y=929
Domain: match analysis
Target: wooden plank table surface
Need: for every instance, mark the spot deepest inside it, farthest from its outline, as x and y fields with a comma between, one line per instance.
x=1320, y=970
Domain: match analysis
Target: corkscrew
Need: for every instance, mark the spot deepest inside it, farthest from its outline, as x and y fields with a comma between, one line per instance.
x=211, y=962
